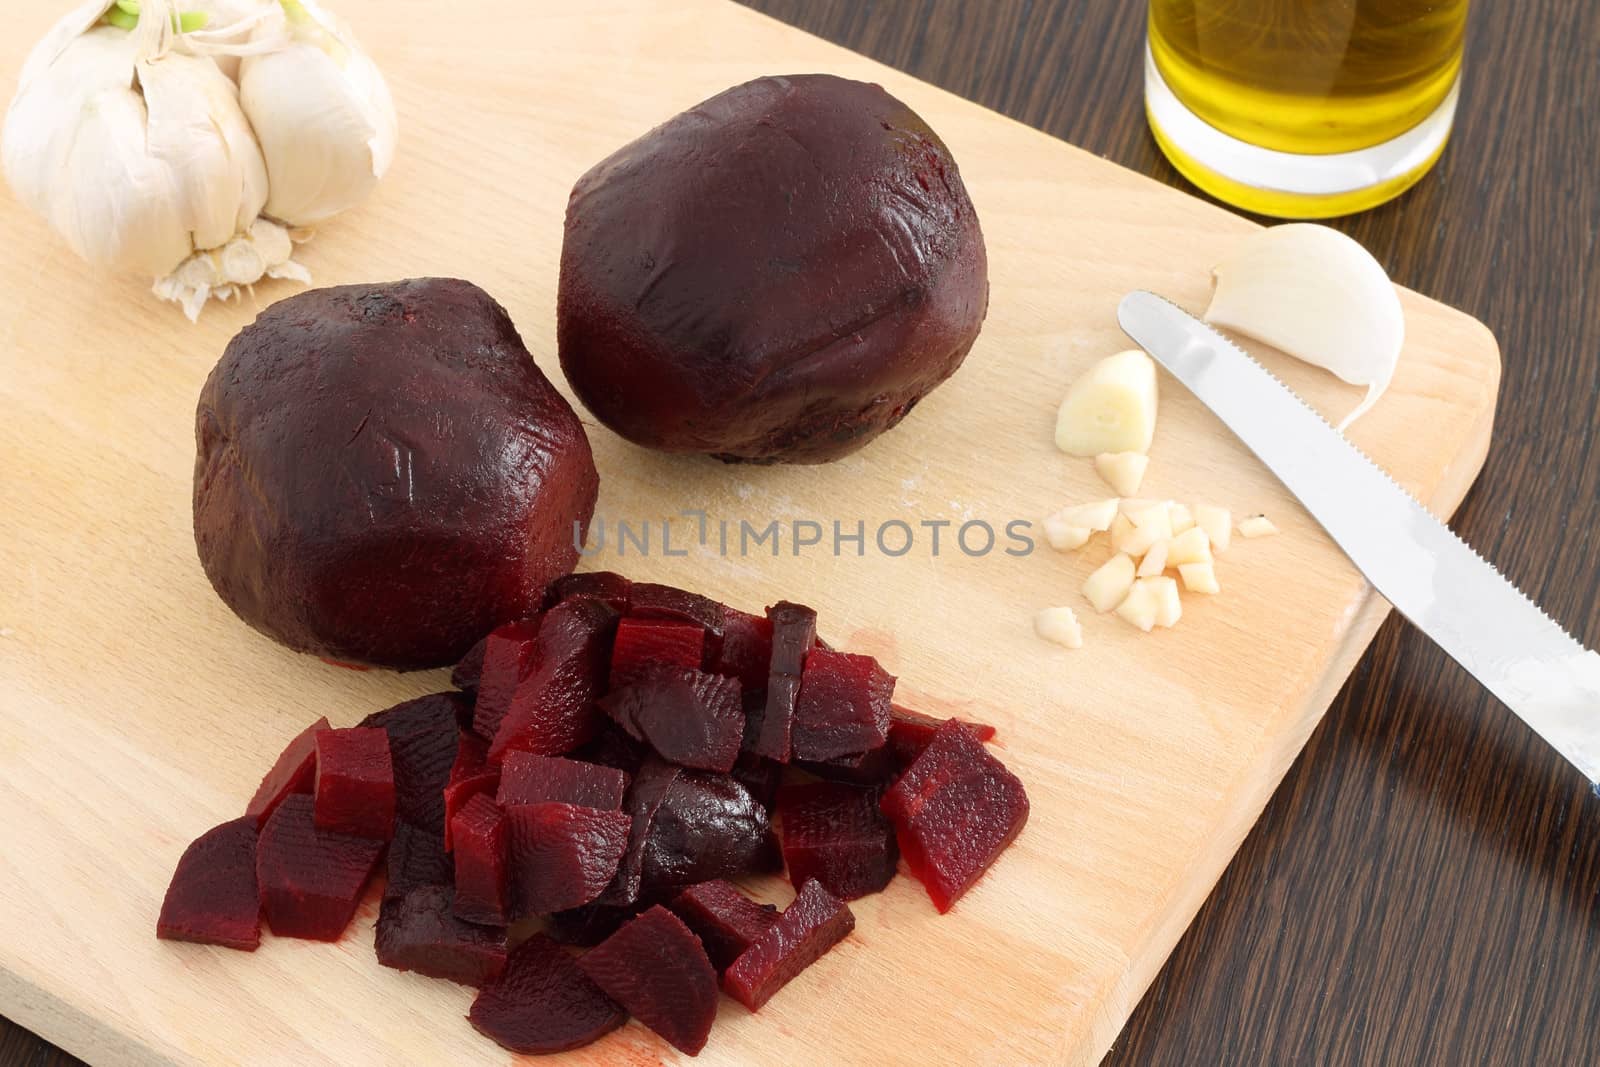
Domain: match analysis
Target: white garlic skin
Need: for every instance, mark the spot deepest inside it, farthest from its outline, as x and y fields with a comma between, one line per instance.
x=323, y=116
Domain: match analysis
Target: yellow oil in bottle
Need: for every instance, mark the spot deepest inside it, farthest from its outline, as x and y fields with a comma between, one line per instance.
x=1309, y=77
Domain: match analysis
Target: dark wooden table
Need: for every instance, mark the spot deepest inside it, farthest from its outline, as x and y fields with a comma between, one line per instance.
x=1425, y=886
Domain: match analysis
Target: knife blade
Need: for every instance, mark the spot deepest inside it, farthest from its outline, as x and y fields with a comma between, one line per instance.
x=1411, y=558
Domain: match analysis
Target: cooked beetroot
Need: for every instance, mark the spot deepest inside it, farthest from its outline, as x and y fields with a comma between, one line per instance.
x=213, y=898
x=843, y=710
x=910, y=731
x=692, y=718
x=507, y=659
x=954, y=810
x=778, y=274
x=794, y=634
x=543, y=1002
x=416, y=858
x=651, y=600
x=468, y=671
x=355, y=783
x=383, y=474
x=837, y=835
x=612, y=747
x=645, y=794
x=642, y=643
x=726, y=921
x=529, y=779
x=482, y=874
x=812, y=924
x=591, y=924
x=424, y=739
x=707, y=826
x=294, y=772
x=761, y=776
x=552, y=711
x=562, y=855
x=655, y=967
x=470, y=775
x=877, y=767
x=420, y=932
x=612, y=588
x=310, y=879
x=746, y=648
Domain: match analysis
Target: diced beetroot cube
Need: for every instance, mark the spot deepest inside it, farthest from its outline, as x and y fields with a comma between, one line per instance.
x=910, y=731
x=726, y=921
x=470, y=775
x=808, y=927
x=954, y=811
x=213, y=898
x=310, y=879
x=529, y=779
x=691, y=718
x=552, y=711
x=837, y=835
x=420, y=932
x=761, y=776
x=562, y=855
x=843, y=708
x=746, y=648
x=647, y=600
x=423, y=743
x=589, y=925
x=643, y=800
x=416, y=858
x=543, y=1002
x=294, y=772
x=643, y=643
x=611, y=588
x=656, y=968
x=794, y=635
x=482, y=874
x=612, y=747
x=707, y=826
x=507, y=660
x=355, y=783
x=466, y=674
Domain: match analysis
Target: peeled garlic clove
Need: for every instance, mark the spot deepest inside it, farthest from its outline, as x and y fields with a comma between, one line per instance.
x=1317, y=295
x=322, y=113
x=1111, y=407
x=1122, y=471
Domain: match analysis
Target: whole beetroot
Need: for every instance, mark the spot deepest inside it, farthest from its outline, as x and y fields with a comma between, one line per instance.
x=779, y=274
x=383, y=475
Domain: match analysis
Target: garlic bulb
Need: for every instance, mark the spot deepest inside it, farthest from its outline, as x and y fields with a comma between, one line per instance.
x=322, y=114
x=1317, y=295
x=129, y=136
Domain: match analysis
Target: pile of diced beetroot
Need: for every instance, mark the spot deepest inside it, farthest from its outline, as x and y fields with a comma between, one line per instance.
x=609, y=766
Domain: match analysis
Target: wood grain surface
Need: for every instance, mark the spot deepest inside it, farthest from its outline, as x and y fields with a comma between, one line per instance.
x=1070, y=68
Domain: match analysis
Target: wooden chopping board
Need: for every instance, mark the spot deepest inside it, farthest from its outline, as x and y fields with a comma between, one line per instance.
x=136, y=711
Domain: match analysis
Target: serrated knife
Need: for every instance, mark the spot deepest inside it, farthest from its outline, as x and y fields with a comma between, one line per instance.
x=1411, y=558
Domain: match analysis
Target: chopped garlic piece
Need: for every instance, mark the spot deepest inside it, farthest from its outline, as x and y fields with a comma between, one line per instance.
x=1182, y=518
x=1121, y=530
x=1065, y=538
x=1256, y=526
x=1217, y=523
x=1199, y=578
x=1111, y=407
x=1059, y=625
x=1149, y=526
x=1155, y=560
x=1107, y=587
x=1191, y=546
x=1097, y=516
x=1130, y=504
x=1140, y=606
x=1122, y=471
x=1169, y=606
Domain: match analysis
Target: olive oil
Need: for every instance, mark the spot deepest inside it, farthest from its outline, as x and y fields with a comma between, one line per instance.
x=1309, y=76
